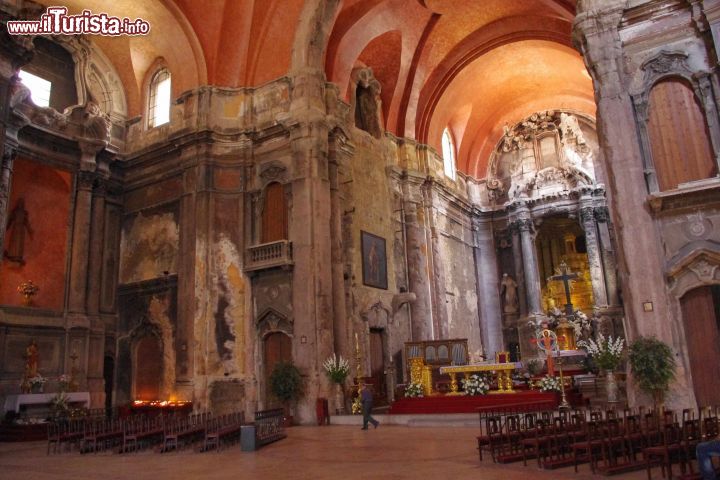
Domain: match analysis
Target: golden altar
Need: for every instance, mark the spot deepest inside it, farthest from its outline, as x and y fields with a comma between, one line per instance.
x=503, y=373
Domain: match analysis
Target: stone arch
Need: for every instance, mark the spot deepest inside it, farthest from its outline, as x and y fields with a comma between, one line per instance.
x=696, y=269
x=312, y=35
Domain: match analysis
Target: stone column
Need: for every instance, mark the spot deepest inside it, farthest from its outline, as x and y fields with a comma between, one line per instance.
x=340, y=153
x=97, y=236
x=310, y=233
x=602, y=218
x=417, y=248
x=6, y=169
x=80, y=242
x=596, y=34
x=518, y=264
x=597, y=278
x=530, y=265
x=437, y=283
x=487, y=286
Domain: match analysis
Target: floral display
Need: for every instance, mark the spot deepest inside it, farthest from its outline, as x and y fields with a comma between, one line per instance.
x=413, y=390
x=476, y=385
x=549, y=384
x=337, y=368
x=605, y=351
x=37, y=380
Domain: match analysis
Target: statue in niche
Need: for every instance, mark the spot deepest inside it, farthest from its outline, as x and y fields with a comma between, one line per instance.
x=508, y=293
x=366, y=109
x=18, y=225
x=32, y=357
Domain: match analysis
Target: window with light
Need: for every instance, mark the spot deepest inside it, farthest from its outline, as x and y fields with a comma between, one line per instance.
x=448, y=151
x=39, y=88
x=159, y=101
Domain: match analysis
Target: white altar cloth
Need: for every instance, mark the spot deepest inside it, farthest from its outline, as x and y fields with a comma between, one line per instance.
x=14, y=402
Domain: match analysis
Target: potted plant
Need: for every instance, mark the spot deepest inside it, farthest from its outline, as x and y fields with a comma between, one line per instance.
x=286, y=385
x=337, y=370
x=653, y=367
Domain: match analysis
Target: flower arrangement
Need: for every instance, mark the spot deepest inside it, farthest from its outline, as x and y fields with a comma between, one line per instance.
x=549, y=384
x=37, y=380
x=413, y=390
x=476, y=385
x=581, y=323
x=63, y=382
x=605, y=351
x=337, y=368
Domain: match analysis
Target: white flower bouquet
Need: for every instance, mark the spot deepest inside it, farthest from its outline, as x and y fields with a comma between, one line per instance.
x=413, y=390
x=549, y=384
x=337, y=368
x=606, y=351
x=476, y=385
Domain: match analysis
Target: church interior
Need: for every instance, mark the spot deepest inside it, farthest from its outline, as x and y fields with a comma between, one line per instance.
x=260, y=182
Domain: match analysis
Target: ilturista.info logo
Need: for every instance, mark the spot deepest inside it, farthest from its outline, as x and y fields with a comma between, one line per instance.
x=56, y=21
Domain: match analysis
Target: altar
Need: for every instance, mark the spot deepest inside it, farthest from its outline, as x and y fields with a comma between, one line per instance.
x=13, y=403
x=502, y=371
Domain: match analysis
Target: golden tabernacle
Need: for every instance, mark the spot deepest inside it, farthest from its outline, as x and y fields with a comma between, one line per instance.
x=502, y=372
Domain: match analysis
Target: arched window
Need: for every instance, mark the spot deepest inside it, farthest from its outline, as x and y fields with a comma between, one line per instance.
x=448, y=152
x=159, y=98
x=679, y=137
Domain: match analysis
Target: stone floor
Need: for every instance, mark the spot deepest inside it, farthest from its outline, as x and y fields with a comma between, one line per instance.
x=330, y=452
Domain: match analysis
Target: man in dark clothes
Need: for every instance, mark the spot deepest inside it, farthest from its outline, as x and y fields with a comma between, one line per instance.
x=366, y=397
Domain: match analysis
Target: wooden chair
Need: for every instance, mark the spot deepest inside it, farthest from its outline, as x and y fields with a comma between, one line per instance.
x=590, y=448
x=668, y=452
x=493, y=428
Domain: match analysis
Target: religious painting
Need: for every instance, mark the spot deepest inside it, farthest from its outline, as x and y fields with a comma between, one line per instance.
x=374, y=260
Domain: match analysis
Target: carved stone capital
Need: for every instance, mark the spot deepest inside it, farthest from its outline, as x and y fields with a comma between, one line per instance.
x=587, y=215
x=522, y=225
x=86, y=180
x=602, y=214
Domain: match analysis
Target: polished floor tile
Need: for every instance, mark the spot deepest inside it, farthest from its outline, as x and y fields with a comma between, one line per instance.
x=330, y=452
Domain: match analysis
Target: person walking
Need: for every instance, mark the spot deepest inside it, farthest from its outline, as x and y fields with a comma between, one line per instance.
x=366, y=398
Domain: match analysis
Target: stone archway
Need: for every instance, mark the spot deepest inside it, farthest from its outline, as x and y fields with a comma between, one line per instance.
x=695, y=284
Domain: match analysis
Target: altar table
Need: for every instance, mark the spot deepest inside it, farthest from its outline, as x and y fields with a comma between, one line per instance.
x=14, y=402
x=503, y=372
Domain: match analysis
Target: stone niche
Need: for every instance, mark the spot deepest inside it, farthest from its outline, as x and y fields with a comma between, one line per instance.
x=147, y=317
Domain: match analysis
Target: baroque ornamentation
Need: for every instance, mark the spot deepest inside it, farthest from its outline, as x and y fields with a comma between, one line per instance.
x=704, y=269
x=663, y=63
x=587, y=215
x=697, y=225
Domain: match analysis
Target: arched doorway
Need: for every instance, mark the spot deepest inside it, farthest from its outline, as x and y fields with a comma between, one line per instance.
x=377, y=365
x=701, y=318
x=148, y=368
x=277, y=349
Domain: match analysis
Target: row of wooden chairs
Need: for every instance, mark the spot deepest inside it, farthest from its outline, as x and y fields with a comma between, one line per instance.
x=223, y=429
x=173, y=431
x=611, y=441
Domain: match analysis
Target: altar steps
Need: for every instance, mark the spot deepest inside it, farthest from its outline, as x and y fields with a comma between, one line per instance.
x=471, y=404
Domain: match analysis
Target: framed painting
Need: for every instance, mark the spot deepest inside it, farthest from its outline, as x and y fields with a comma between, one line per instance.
x=374, y=260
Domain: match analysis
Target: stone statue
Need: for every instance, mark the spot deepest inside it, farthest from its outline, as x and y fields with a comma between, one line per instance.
x=31, y=360
x=508, y=293
x=19, y=223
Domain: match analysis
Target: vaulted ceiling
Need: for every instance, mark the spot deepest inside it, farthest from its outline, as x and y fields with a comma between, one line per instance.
x=469, y=65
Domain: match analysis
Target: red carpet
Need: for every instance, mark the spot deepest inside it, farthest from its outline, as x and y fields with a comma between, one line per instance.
x=470, y=404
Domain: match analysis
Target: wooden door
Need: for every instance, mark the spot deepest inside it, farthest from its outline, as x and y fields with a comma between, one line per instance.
x=148, y=368
x=278, y=348
x=377, y=366
x=702, y=330
x=274, y=217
